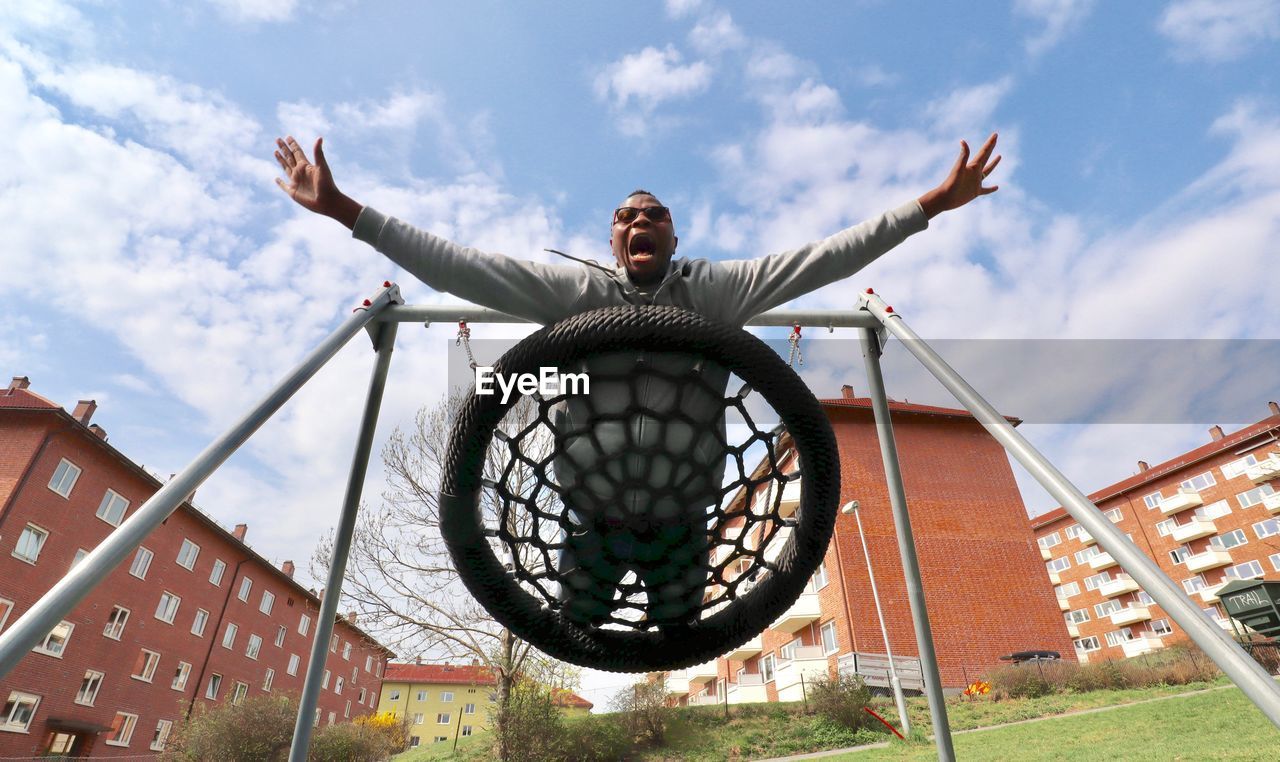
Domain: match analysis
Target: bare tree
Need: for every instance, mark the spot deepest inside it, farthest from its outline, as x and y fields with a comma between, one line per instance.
x=400, y=579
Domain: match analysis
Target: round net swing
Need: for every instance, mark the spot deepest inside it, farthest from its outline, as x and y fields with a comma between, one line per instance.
x=631, y=528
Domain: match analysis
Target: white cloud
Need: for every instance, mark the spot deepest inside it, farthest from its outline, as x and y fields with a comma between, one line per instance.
x=677, y=9
x=716, y=33
x=1219, y=30
x=968, y=110
x=256, y=11
x=643, y=80
x=874, y=75
x=1059, y=18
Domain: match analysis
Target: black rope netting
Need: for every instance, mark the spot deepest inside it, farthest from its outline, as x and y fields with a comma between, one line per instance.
x=607, y=533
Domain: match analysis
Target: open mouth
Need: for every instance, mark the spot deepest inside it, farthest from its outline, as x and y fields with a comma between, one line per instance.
x=642, y=246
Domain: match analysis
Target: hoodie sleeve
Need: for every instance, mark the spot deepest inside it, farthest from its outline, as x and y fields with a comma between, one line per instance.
x=761, y=284
x=539, y=292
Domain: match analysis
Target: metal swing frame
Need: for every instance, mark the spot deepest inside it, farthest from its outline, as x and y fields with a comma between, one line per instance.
x=380, y=316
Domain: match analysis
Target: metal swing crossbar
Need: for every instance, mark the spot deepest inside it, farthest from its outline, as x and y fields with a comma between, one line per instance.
x=380, y=316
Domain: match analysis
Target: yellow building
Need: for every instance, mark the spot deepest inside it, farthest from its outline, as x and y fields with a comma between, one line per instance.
x=445, y=701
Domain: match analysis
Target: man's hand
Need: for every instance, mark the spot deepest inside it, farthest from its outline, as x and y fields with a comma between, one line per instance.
x=311, y=185
x=964, y=184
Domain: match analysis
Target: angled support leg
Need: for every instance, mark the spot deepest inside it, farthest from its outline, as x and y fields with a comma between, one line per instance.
x=1251, y=678
x=384, y=342
x=53, y=606
x=907, y=547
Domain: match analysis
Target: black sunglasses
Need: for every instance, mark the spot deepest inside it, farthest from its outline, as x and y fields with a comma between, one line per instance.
x=625, y=214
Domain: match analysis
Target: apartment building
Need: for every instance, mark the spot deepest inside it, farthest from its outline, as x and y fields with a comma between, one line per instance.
x=194, y=616
x=982, y=573
x=1206, y=517
x=443, y=702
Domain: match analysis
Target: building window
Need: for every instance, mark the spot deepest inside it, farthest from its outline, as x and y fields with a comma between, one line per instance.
x=280, y=632
x=55, y=643
x=215, y=574
x=333, y=717
x=1083, y=556
x=368, y=661
x=1246, y=570
x=1152, y=500
x=354, y=671
x=361, y=699
x=1214, y=510
x=19, y=709
x=215, y=685
x=819, y=579
x=439, y=739
x=141, y=563
x=268, y=600
x=1097, y=580
x=788, y=651
x=115, y=622
x=64, y=477
x=254, y=647
x=6, y=608
x=180, y=676
x=1178, y=555
x=89, y=687
x=1077, y=617
x=346, y=651
x=466, y=730
x=1254, y=496
x=168, y=607
x=417, y=718
x=766, y=669
x=346, y=711
x=246, y=585
x=122, y=729
x=414, y=742
x=198, y=624
x=229, y=635
x=393, y=695
x=1058, y=564
x=1267, y=528
x=1085, y=645
x=293, y=664
x=1160, y=627
x=1166, y=527
x=325, y=683
x=1193, y=584
x=239, y=692
x=161, y=736
x=1197, y=483
x=1229, y=540
x=1049, y=540
x=1116, y=637
x=422, y=695
x=1144, y=599
x=304, y=625
x=469, y=709
x=112, y=508
x=268, y=679
x=1274, y=558
x=1074, y=531
x=1107, y=608
x=446, y=697
x=337, y=686
x=79, y=556
x=188, y=554
x=30, y=542
x=1239, y=466
x=442, y=718
x=144, y=668
x=1066, y=590
x=1113, y=515
x=333, y=644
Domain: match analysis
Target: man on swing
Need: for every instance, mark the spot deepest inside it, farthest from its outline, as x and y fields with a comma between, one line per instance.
x=661, y=536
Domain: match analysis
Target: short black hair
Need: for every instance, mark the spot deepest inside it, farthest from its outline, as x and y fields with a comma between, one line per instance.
x=641, y=192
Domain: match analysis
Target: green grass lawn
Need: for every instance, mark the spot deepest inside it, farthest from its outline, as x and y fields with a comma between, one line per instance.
x=1220, y=724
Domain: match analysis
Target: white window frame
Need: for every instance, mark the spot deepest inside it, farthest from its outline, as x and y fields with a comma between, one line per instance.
x=180, y=676
x=1119, y=637
x=149, y=661
x=6, y=608
x=1232, y=469
x=1082, y=644
x=1074, y=531
x=768, y=668
x=1205, y=479
x=254, y=647
x=1252, y=497
x=238, y=692
x=469, y=709
x=167, y=608
x=829, y=628
x=188, y=554
x=161, y=736
x=281, y=630
x=267, y=603
x=31, y=534
x=268, y=678
x=446, y=697
x=213, y=686
x=324, y=684
x=1267, y=528
x=1236, y=572
x=19, y=699
x=44, y=648
x=199, y=623
x=1166, y=527
x=466, y=730
x=1095, y=581
x=292, y=669
x=1060, y=564
x=1049, y=540
x=1215, y=510
x=92, y=682
x=141, y=562
x=443, y=718
x=393, y=695
x=1067, y=589
x=422, y=695
x=419, y=718
x=229, y=635
x=346, y=650
x=1195, y=584
x=58, y=482
x=1107, y=608
x=122, y=734
x=114, y=627
x=215, y=574
x=1160, y=632
x=1113, y=515
x=337, y=685
x=1077, y=616
x=1152, y=500
x=246, y=587
x=304, y=625
x=1237, y=535
x=107, y=509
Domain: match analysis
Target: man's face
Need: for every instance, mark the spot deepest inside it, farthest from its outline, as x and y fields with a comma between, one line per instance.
x=641, y=245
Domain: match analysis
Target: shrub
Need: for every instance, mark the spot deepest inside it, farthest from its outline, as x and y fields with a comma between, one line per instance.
x=595, y=738
x=1019, y=681
x=529, y=726
x=643, y=710
x=841, y=699
x=256, y=729
x=365, y=740
x=1266, y=652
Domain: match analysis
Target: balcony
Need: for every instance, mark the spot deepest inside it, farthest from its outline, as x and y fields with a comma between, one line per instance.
x=677, y=683
x=1046, y=554
x=801, y=613
x=1130, y=615
x=1180, y=502
x=701, y=673
x=790, y=498
x=748, y=690
x=1073, y=629
x=746, y=650
x=1143, y=644
x=1102, y=561
x=1209, y=559
x=1265, y=470
x=792, y=677
x=1210, y=594
x=1055, y=578
x=1085, y=538
x=1272, y=502
x=1118, y=586
x=1193, y=530
x=704, y=699
x=1064, y=604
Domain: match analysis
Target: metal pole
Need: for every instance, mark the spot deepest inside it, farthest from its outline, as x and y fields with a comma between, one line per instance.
x=54, y=605
x=385, y=343
x=447, y=313
x=1225, y=652
x=894, y=682
x=907, y=547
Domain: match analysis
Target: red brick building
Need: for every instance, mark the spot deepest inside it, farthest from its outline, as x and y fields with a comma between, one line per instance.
x=1206, y=517
x=194, y=616
x=984, y=581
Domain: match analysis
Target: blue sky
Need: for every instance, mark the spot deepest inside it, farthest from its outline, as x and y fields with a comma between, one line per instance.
x=151, y=263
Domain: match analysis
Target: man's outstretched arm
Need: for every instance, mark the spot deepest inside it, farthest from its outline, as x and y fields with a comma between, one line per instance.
x=312, y=185
x=964, y=184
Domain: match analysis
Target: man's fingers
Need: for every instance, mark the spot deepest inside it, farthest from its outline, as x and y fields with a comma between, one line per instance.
x=296, y=149
x=319, y=151
x=284, y=155
x=280, y=159
x=284, y=187
x=984, y=153
x=991, y=166
x=987, y=191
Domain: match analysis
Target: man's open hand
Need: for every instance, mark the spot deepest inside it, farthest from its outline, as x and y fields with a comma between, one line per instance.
x=964, y=184
x=311, y=185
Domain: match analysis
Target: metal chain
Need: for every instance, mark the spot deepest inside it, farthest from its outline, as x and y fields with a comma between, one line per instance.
x=464, y=339
x=796, y=357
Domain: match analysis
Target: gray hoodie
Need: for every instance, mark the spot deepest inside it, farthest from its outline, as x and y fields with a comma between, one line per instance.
x=730, y=291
